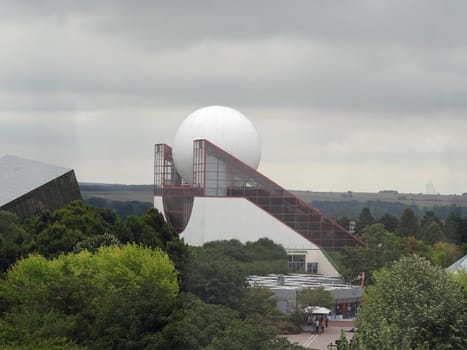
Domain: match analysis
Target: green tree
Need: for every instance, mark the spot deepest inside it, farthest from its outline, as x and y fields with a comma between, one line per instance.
x=408, y=224
x=232, y=249
x=416, y=246
x=452, y=227
x=343, y=342
x=344, y=221
x=265, y=257
x=382, y=248
x=431, y=228
x=432, y=232
x=153, y=231
x=428, y=218
x=60, y=231
x=193, y=324
x=413, y=305
x=461, y=277
x=259, y=304
x=242, y=334
x=214, y=279
x=390, y=222
x=93, y=243
x=112, y=299
x=13, y=239
x=315, y=297
x=365, y=219
x=444, y=254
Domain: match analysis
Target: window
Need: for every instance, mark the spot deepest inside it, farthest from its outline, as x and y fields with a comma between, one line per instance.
x=312, y=267
x=297, y=263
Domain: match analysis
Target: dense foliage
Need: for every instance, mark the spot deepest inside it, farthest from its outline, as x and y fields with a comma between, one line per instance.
x=113, y=298
x=81, y=278
x=316, y=297
x=389, y=238
x=121, y=208
x=413, y=305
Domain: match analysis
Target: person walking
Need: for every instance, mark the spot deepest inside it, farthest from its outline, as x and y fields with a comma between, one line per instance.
x=317, y=325
x=323, y=324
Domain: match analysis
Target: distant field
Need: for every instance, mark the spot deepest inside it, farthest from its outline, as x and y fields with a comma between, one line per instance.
x=408, y=199
x=144, y=193
x=140, y=193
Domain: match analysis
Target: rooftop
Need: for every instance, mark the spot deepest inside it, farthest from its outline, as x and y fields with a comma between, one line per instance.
x=19, y=176
x=298, y=281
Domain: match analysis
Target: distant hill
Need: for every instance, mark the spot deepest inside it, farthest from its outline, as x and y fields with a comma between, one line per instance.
x=333, y=204
x=117, y=192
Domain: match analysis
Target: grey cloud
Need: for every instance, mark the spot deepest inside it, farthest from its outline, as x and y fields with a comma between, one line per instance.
x=321, y=80
x=425, y=23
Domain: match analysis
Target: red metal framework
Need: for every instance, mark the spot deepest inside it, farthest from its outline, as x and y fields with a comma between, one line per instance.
x=217, y=173
x=177, y=196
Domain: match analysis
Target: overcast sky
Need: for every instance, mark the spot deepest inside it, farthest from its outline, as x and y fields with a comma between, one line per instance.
x=346, y=95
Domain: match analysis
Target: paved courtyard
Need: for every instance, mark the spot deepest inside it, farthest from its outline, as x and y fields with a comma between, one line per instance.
x=311, y=340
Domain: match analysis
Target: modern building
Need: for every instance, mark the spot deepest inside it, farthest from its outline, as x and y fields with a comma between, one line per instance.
x=208, y=188
x=28, y=187
x=287, y=289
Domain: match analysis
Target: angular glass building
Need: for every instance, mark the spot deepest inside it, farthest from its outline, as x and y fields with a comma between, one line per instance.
x=28, y=187
x=228, y=199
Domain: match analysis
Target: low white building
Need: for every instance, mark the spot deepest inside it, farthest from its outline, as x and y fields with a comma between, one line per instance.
x=287, y=288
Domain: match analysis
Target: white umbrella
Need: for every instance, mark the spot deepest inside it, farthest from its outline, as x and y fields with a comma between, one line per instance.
x=320, y=311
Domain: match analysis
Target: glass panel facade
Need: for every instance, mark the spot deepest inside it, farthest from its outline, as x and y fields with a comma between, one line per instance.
x=50, y=196
x=218, y=174
x=177, y=197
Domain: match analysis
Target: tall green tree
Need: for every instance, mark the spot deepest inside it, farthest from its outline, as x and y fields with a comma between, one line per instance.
x=13, y=239
x=365, y=219
x=390, y=222
x=382, y=248
x=432, y=232
x=193, y=324
x=408, y=225
x=452, y=226
x=413, y=305
x=213, y=278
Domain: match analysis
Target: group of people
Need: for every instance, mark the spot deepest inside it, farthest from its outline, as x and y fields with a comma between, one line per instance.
x=319, y=322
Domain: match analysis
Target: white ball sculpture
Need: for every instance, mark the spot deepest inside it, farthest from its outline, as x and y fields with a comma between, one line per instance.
x=223, y=126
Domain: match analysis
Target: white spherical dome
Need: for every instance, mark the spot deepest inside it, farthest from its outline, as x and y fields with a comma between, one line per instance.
x=223, y=126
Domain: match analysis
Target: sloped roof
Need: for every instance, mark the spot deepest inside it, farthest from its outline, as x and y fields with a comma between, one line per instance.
x=19, y=176
x=459, y=264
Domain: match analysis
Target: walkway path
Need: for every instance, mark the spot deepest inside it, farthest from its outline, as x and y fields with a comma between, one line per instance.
x=321, y=341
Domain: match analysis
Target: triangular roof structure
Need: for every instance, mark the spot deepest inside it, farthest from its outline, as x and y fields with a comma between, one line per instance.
x=217, y=173
x=460, y=264
x=19, y=176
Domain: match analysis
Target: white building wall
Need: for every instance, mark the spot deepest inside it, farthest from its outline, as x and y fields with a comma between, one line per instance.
x=237, y=218
x=159, y=205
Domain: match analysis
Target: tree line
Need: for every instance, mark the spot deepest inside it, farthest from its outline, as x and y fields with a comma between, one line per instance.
x=389, y=238
x=410, y=301
x=82, y=278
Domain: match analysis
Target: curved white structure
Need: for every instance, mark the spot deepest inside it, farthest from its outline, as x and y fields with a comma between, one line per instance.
x=224, y=126
x=217, y=219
